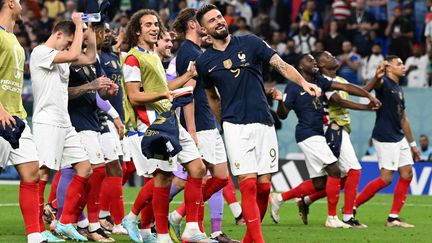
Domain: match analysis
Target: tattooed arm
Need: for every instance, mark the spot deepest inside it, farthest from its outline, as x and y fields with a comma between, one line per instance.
x=290, y=73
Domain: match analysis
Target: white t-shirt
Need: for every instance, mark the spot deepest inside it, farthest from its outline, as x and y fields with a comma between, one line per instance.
x=50, y=88
x=369, y=66
x=417, y=77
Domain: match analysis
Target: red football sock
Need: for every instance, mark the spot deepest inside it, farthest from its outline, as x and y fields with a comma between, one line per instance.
x=144, y=197
x=181, y=209
x=332, y=190
x=213, y=185
x=147, y=216
x=229, y=192
x=400, y=195
x=343, y=181
x=317, y=195
x=192, y=198
x=75, y=196
x=115, y=199
x=161, y=208
x=93, y=191
x=41, y=193
x=201, y=217
x=304, y=189
x=128, y=171
x=53, y=191
x=251, y=213
x=350, y=192
x=263, y=192
x=28, y=201
x=369, y=191
x=247, y=238
x=104, y=197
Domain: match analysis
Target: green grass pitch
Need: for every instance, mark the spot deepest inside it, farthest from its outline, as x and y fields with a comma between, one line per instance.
x=418, y=211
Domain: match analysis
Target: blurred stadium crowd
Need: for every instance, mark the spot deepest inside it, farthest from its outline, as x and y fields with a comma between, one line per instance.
x=359, y=32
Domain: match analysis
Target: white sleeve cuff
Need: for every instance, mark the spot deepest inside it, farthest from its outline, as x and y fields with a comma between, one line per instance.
x=113, y=113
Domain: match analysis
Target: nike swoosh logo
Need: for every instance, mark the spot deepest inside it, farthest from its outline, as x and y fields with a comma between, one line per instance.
x=302, y=93
x=77, y=69
x=211, y=69
x=106, y=63
x=252, y=220
x=272, y=166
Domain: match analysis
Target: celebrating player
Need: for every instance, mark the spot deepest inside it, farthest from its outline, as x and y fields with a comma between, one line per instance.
x=143, y=69
x=320, y=160
x=388, y=136
x=233, y=65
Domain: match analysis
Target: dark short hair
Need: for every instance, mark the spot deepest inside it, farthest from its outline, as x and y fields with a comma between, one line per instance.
x=65, y=26
x=299, y=59
x=180, y=24
x=318, y=55
x=390, y=58
x=134, y=26
x=203, y=10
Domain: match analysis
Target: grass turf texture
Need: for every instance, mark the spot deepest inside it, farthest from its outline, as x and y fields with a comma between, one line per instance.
x=418, y=211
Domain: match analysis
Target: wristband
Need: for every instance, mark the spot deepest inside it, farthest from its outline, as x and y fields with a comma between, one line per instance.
x=413, y=144
x=113, y=113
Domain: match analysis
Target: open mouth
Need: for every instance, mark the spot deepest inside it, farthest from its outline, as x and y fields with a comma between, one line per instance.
x=220, y=27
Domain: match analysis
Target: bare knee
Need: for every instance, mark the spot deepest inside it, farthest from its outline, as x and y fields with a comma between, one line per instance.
x=162, y=179
x=319, y=183
x=114, y=168
x=29, y=172
x=83, y=169
x=196, y=168
x=406, y=172
x=333, y=170
x=387, y=176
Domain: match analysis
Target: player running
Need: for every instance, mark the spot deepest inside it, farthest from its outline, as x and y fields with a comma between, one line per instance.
x=320, y=160
x=390, y=134
x=49, y=68
x=233, y=65
x=24, y=158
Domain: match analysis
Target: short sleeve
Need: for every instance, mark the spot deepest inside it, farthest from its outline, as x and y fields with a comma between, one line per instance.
x=131, y=69
x=289, y=96
x=202, y=75
x=262, y=50
x=45, y=57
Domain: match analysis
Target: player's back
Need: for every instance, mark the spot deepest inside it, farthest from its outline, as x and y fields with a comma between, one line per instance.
x=12, y=59
x=237, y=74
x=50, y=87
x=111, y=65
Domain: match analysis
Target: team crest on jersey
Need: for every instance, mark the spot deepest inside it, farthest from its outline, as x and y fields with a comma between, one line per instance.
x=241, y=56
x=114, y=64
x=227, y=63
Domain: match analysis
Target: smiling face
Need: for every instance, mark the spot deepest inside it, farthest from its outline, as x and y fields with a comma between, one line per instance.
x=214, y=24
x=164, y=45
x=149, y=29
x=309, y=65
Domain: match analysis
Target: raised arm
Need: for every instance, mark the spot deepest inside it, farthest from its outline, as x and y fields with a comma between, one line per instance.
x=214, y=102
x=357, y=91
x=336, y=98
x=376, y=81
x=75, y=48
x=290, y=73
x=89, y=57
x=405, y=124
